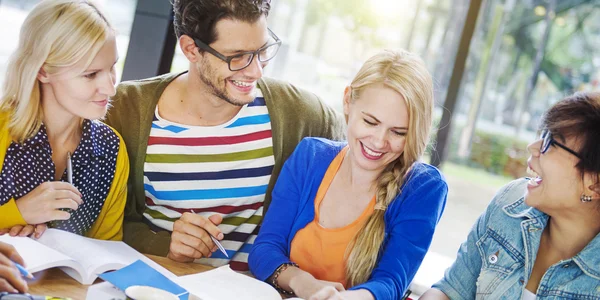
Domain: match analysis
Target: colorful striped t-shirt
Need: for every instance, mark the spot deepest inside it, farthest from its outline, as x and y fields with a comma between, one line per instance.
x=222, y=169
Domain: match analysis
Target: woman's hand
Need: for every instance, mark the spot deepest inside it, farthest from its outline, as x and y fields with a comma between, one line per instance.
x=45, y=202
x=27, y=230
x=305, y=285
x=10, y=277
x=330, y=293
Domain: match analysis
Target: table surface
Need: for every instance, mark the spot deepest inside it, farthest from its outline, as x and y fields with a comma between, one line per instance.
x=55, y=282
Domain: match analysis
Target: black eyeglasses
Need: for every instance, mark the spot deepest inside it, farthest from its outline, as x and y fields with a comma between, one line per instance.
x=242, y=60
x=548, y=140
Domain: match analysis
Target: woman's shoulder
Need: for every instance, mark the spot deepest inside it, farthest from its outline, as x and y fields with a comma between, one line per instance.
x=424, y=174
x=321, y=147
x=511, y=194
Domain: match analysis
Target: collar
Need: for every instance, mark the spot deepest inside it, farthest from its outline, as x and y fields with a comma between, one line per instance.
x=91, y=139
x=519, y=209
x=588, y=259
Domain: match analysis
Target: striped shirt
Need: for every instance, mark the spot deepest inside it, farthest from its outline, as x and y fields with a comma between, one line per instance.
x=222, y=169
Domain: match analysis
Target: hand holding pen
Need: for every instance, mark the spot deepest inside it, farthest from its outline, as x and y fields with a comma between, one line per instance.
x=8, y=270
x=192, y=237
x=48, y=201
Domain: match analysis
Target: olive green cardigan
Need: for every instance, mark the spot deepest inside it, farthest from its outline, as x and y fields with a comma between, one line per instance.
x=294, y=114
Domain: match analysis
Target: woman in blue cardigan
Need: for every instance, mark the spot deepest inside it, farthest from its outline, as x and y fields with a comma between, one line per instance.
x=358, y=215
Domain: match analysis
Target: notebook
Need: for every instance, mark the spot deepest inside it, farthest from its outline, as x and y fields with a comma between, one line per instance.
x=80, y=257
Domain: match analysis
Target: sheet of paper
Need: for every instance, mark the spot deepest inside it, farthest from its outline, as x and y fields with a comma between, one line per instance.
x=224, y=284
x=139, y=273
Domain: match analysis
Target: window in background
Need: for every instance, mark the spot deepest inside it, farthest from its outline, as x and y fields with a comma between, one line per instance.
x=13, y=12
x=326, y=41
x=524, y=56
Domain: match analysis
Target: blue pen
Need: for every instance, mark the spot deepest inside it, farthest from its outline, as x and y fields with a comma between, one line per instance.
x=24, y=271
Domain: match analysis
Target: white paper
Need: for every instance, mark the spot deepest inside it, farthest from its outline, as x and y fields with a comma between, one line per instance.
x=223, y=284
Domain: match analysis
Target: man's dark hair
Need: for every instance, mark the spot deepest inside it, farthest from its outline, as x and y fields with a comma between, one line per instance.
x=197, y=18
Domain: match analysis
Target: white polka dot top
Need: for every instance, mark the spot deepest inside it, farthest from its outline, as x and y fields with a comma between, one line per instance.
x=29, y=164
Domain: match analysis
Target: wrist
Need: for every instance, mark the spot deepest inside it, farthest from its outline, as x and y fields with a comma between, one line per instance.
x=300, y=279
x=280, y=278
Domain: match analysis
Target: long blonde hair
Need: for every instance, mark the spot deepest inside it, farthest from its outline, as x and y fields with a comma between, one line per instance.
x=55, y=34
x=406, y=74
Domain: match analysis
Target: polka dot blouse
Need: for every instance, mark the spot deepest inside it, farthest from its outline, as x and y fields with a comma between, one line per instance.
x=29, y=164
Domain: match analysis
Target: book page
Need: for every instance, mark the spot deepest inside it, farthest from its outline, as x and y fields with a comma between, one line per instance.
x=96, y=256
x=89, y=253
x=37, y=256
x=224, y=283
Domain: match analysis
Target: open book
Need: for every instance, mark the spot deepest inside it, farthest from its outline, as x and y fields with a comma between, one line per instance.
x=80, y=257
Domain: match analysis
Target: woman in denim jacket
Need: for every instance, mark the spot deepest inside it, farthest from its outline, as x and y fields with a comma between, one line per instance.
x=539, y=236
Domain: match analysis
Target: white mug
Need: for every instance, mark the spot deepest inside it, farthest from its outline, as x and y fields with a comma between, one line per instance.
x=143, y=292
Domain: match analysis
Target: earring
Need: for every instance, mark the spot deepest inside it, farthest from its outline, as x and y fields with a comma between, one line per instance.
x=585, y=198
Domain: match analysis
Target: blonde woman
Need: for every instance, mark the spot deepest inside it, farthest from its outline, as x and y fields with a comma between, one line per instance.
x=358, y=215
x=57, y=86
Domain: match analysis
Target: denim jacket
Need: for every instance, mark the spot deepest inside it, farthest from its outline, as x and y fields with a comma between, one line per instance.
x=496, y=260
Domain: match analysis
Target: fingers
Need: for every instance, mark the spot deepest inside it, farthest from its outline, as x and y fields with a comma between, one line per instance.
x=338, y=286
x=181, y=252
x=3, y=231
x=39, y=230
x=15, y=230
x=327, y=292
x=65, y=203
x=67, y=194
x=9, y=253
x=27, y=230
x=60, y=215
x=190, y=238
x=216, y=219
x=59, y=185
x=204, y=223
x=10, y=280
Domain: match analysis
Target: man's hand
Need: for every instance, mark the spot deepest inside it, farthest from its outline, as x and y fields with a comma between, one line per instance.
x=190, y=238
x=10, y=277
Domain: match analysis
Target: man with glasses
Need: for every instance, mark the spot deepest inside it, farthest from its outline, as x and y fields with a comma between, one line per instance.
x=207, y=145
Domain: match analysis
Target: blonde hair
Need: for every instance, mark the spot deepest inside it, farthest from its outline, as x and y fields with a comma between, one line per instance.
x=55, y=34
x=406, y=74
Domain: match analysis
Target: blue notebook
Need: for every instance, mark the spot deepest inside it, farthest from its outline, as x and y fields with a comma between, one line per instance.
x=139, y=273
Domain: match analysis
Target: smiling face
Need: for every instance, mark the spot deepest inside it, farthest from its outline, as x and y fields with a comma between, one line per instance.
x=233, y=37
x=556, y=184
x=83, y=91
x=377, y=126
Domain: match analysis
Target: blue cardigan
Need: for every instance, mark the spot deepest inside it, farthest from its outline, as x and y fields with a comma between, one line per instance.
x=409, y=220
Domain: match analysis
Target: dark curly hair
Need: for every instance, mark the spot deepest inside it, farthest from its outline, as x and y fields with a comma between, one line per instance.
x=197, y=18
x=578, y=116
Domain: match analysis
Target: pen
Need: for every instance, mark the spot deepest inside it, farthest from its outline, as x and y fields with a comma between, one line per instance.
x=215, y=241
x=23, y=271
x=69, y=168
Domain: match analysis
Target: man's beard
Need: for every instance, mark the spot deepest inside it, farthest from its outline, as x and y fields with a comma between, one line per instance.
x=208, y=77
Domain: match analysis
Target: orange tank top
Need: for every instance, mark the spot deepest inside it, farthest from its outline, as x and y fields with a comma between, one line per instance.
x=321, y=251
